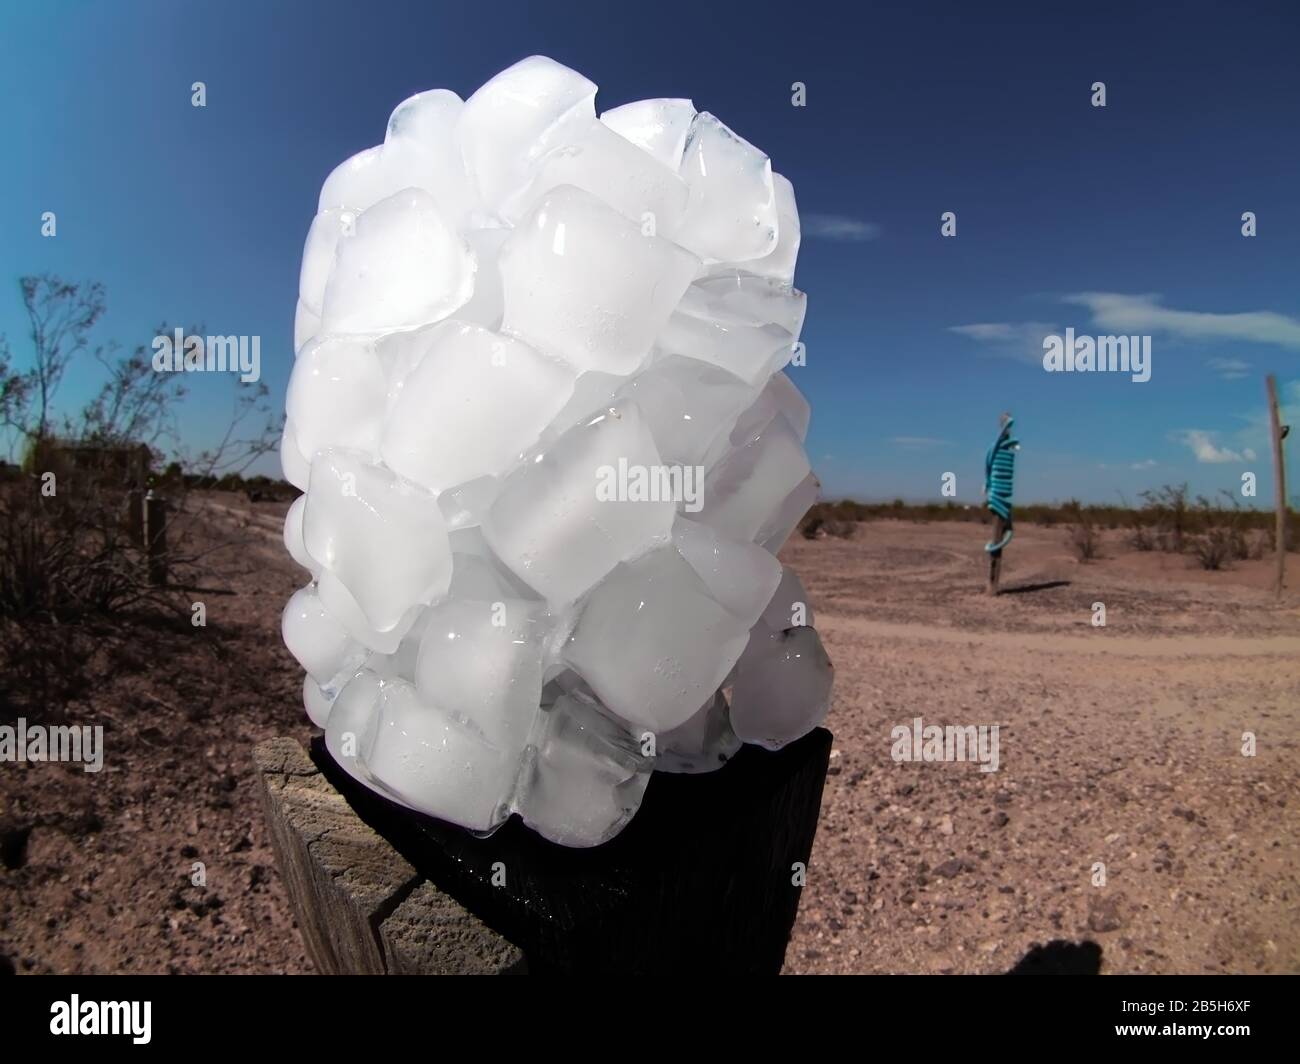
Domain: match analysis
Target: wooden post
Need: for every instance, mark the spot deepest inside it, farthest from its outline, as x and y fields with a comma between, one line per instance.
x=135, y=517
x=1279, y=483
x=995, y=556
x=155, y=528
x=361, y=908
x=705, y=879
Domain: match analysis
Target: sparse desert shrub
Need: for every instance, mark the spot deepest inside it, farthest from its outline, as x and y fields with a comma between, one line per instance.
x=1170, y=515
x=841, y=529
x=1083, y=536
x=1221, y=536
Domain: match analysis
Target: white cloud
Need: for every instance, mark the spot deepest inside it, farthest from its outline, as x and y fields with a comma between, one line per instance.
x=1201, y=444
x=1015, y=339
x=1113, y=312
x=1229, y=369
x=1149, y=463
x=838, y=227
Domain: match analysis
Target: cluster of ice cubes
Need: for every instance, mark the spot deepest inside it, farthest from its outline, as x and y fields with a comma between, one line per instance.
x=515, y=319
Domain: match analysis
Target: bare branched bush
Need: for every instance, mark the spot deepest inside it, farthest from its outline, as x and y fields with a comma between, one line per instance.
x=1083, y=536
x=1170, y=515
x=67, y=548
x=1220, y=538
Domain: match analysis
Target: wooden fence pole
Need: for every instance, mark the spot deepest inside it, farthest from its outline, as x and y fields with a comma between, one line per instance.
x=155, y=528
x=1279, y=432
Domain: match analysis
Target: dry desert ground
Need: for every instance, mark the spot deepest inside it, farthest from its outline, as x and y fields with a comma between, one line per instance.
x=1119, y=745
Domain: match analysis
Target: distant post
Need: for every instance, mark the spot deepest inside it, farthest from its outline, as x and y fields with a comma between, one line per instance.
x=155, y=530
x=135, y=517
x=1279, y=482
x=999, y=475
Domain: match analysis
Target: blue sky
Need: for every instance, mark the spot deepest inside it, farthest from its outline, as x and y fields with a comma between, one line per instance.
x=1118, y=219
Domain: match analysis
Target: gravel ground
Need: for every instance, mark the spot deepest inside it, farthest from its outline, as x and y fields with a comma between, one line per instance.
x=1118, y=745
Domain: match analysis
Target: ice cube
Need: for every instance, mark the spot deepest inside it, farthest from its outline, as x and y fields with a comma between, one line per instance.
x=779, y=265
x=421, y=150
x=383, y=537
x=618, y=173
x=738, y=576
x=560, y=521
x=316, y=702
x=586, y=778
x=400, y=663
x=336, y=397
x=476, y=401
x=747, y=487
x=515, y=117
x=318, y=254
x=652, y=643
x=593, y=392
x=487, y=305
x=704, y=743
x=353, y=719
x=483, y=660
x=583, y=283
x=357, y=183
x=659, y=127
x=731, y=215
x=293, y=538
x=750, y=352
x=296, y=465
x=735, y=297
x=465, y=505
x=343, y=607
x=400, y=352
x=306, y=326
x=322, y=646
x=789, y=606
x=688, y=405
x=777, y=528
x=438, y=764
x=783, y=691
x=403, y=265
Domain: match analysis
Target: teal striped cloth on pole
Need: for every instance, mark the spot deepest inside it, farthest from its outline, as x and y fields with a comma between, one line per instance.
x=999, y=475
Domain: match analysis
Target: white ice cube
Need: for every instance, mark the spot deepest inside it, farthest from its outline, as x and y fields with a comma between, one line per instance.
x=483, y=660
x=587, y=776
x=401, y=266
x=659, y=127
x=437, y=763
x=555, y=523
x=783, y=691
x=513, y=119
x=583, y=283
x=747, y=487
x=294, y=542
x=322, y=646
x=737, y=575
x=703, y=743
x=336, y=397
x=731, y=215
x=652, y=643
x=618, y=173
x=295, y=464
x=476, y=401
x=383, y=537
x=688, y=405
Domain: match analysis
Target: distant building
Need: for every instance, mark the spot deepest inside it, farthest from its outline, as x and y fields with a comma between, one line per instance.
x=118, y=465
